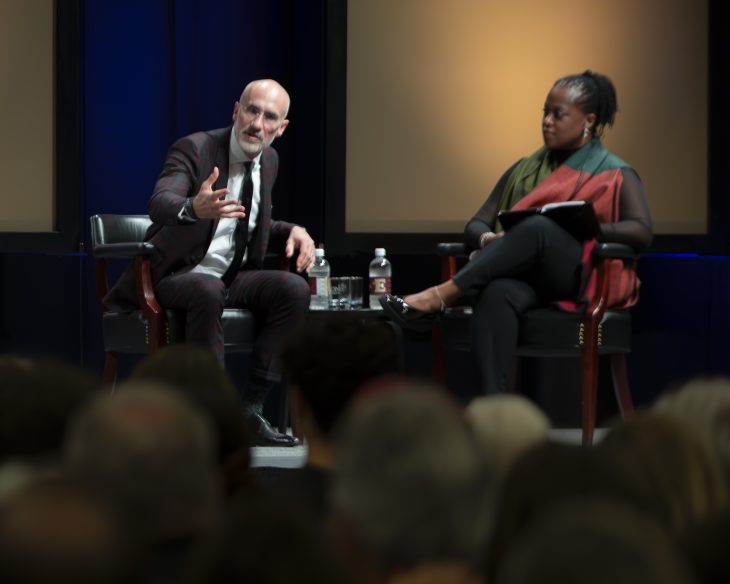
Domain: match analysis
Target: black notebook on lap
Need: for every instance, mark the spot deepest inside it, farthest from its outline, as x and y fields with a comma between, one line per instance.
x=577, y=217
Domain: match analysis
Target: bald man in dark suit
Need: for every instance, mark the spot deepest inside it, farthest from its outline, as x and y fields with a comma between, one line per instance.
x=199, y=210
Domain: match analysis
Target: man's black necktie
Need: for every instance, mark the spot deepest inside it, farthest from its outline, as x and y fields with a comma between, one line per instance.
x=240, y=236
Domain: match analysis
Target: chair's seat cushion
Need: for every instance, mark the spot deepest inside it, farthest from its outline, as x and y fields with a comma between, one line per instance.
x=127, y=332
x=548, y=332
x=239, y=330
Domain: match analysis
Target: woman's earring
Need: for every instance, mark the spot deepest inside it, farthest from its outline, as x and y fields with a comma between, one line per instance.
x=586, y=131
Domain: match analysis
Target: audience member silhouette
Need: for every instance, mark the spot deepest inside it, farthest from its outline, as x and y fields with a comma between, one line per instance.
x=704, y=404
x=326, y=362
x=37, y=397
x=149, y=453
x=410, y=495
x=54, y=532
x=505, y=425
x=668, y=462
x=195, y=372
x=549, y=473
x=596, y=541
x=704, y=544
x=266, y=542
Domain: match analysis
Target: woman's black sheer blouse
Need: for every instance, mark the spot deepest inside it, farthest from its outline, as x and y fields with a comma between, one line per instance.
x=633, y=228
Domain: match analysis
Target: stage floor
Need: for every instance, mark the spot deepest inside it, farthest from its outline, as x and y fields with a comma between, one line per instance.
x=295, y=457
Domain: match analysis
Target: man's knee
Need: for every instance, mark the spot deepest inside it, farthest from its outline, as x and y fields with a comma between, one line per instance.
x=285, y=290
x=296, y=290
x=191, y=292
x=208, y=294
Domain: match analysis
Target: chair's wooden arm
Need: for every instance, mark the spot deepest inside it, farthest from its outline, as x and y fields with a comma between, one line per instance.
x=449, y=252
x=615, y=250
x=148, y=303
x=450, y=248
x=123, y=250
x=102, y=283
x=140, y=252
x=603, y=255
x=104, y=251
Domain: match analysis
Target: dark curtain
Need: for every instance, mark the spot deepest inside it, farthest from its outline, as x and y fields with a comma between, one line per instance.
x=155, y=71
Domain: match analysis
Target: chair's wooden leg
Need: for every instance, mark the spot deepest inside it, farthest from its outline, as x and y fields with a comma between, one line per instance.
x=109, y=375
x=438, y=355
x=589, y=383
x=620, y=375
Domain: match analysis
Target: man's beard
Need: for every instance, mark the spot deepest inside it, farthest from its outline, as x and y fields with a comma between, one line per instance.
x=252, y=149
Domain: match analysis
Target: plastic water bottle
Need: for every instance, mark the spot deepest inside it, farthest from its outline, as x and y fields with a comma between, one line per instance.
x=319, y=281
x=380, y=277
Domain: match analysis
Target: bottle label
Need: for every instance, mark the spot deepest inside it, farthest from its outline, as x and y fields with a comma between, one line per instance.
x=380, y=285
x=319, y=286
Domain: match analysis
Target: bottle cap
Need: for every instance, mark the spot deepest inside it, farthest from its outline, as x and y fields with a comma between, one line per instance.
x=319, y=252
x=380, y=251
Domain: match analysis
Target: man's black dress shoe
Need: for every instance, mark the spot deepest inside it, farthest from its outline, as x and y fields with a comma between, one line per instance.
x=407, y=316
x=264, y=435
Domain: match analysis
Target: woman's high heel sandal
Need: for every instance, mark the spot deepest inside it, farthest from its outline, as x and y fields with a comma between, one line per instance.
x=441, y=299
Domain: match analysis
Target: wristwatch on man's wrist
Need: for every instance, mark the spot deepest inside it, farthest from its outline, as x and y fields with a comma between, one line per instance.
x=187, y=213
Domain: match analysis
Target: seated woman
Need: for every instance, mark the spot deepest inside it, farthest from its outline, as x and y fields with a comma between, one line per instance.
x=537, y=261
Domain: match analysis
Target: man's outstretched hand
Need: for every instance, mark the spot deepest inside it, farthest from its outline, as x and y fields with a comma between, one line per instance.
x=210, y=204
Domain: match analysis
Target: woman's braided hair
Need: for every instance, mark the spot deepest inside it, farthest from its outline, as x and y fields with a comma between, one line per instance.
x=594, y=94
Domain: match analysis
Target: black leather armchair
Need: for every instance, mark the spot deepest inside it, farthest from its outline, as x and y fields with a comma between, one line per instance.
x=549, y=332
x=151, y=327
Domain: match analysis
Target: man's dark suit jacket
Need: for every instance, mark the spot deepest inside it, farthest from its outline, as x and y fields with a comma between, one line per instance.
x=189, y=162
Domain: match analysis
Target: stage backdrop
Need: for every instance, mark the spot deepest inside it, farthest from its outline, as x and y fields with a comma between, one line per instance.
x=443, y=97
x=27, y=155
